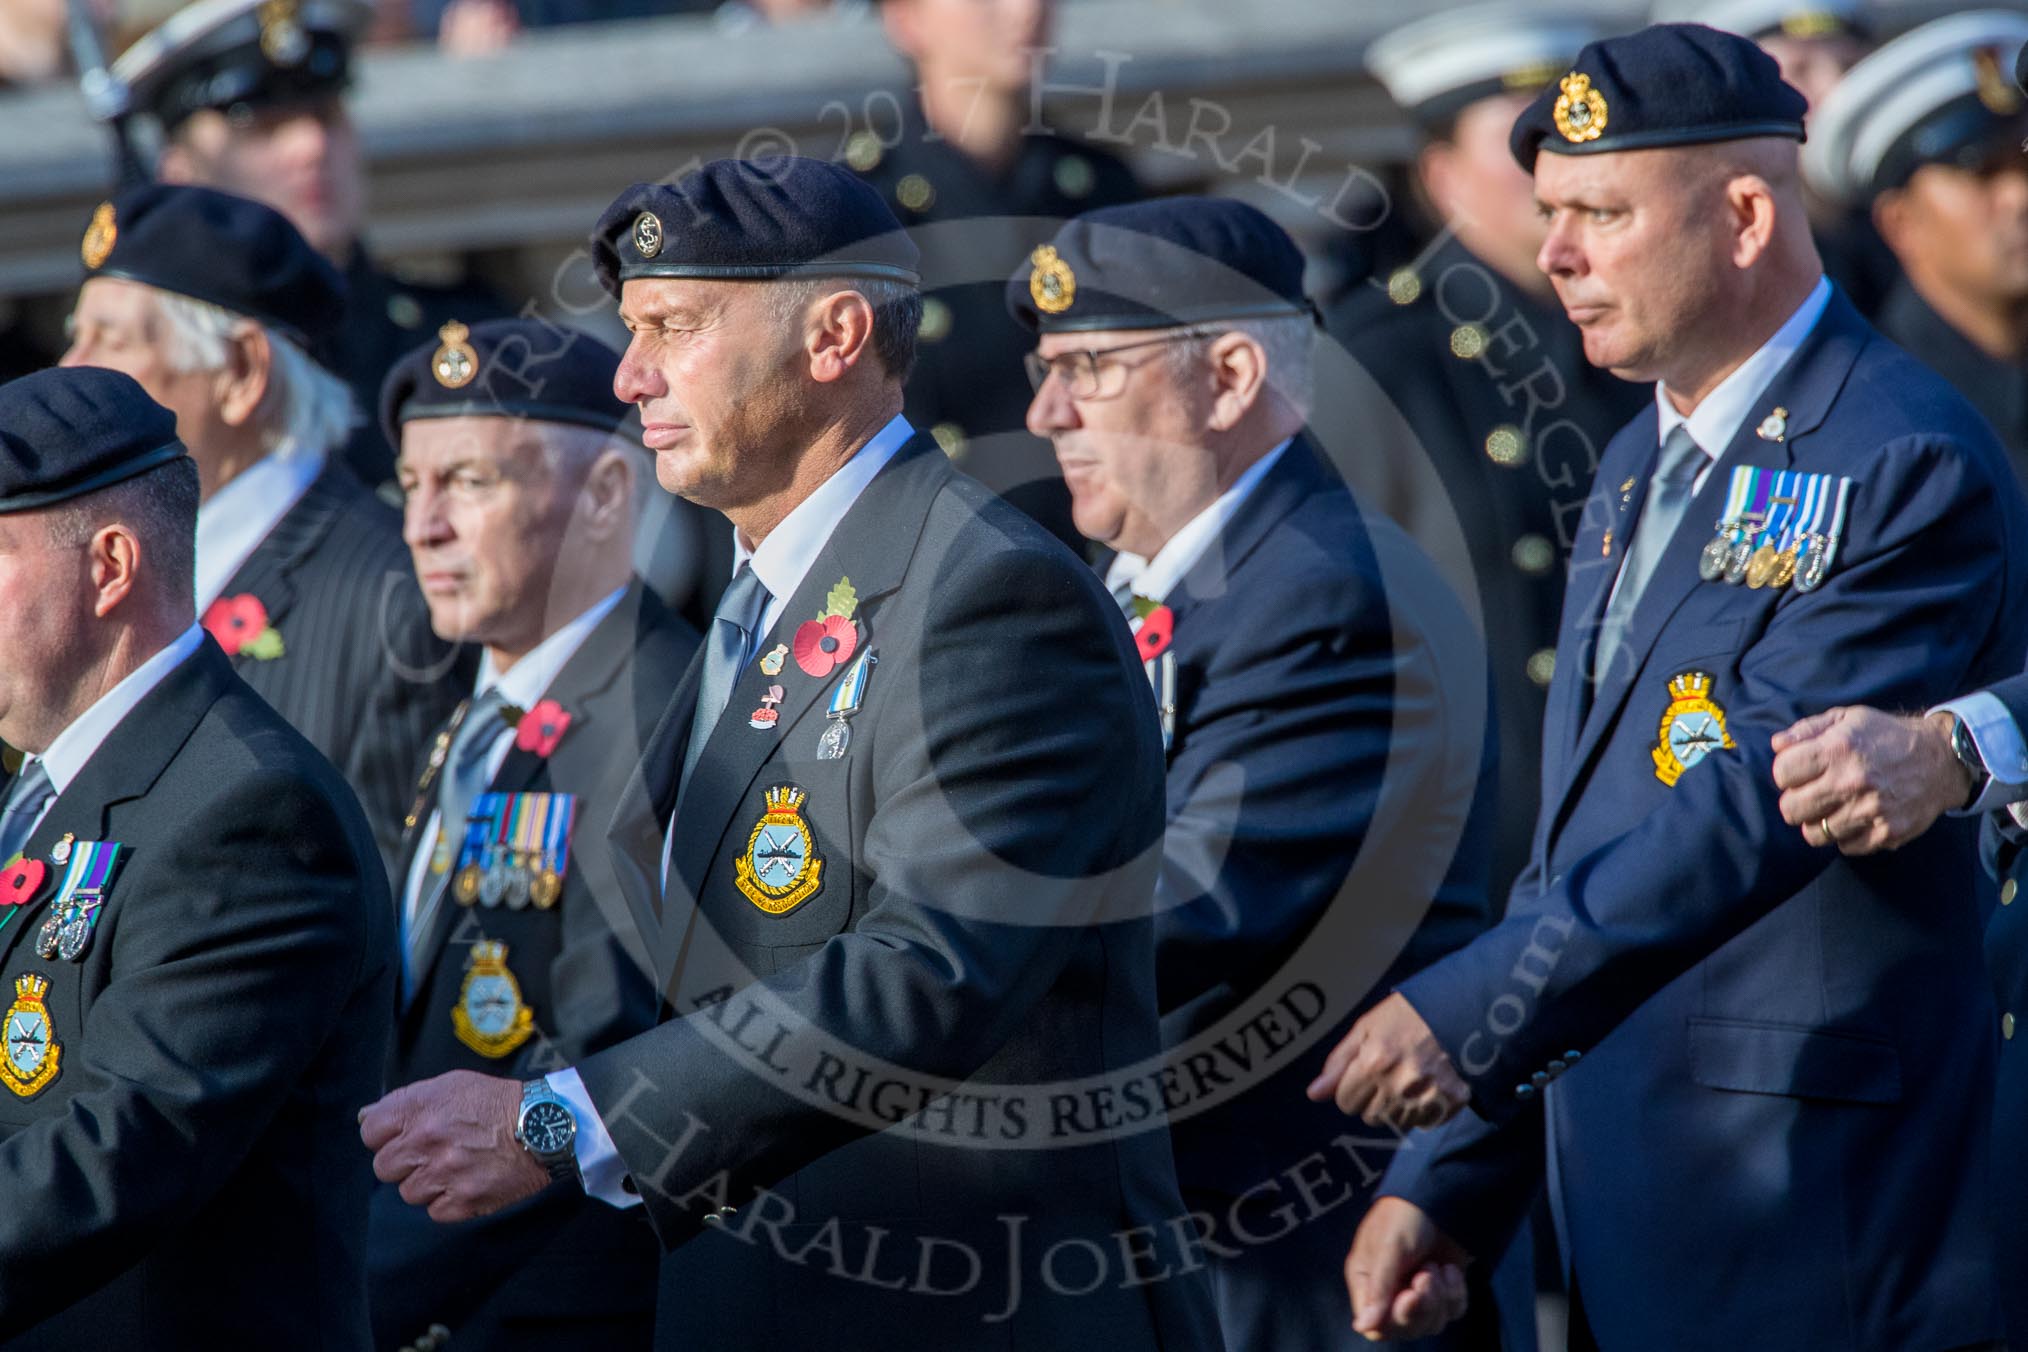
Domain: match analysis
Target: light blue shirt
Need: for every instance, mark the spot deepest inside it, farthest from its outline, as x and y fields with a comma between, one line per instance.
x=781, y=562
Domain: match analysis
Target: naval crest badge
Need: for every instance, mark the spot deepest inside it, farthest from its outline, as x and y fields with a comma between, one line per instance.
x=1692, y=727
x=490, y=1017
x=99, y=237
x=1051, y=283
x=33, y=1054
x=780, y=870
x=456, y=362
x=1580, y=110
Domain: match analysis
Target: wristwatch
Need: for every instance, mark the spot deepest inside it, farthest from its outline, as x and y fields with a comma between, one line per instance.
x=1967, y=752
x=547, y=1129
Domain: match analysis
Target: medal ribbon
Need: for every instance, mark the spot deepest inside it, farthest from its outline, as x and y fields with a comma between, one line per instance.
x=1805, y=519
x=1837, y=523
x=1784, y=485
x=561, y=811
x=481, y=827
x=1735, y=499
x=91, y=863
x=529, y=809
x=851, y=687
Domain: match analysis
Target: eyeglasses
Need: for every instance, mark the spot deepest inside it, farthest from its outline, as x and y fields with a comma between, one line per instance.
x=1086, y=376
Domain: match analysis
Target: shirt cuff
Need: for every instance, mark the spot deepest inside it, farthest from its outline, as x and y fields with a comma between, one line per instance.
x=2000, y=746
x=598, y=1159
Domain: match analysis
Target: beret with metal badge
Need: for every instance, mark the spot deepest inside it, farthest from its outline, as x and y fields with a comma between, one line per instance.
x=505, y=368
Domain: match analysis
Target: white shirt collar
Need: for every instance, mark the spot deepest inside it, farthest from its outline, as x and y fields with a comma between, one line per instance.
x=1718, y=417
x=75, y=745
x=791, y=549
x=1155, y=578
x=525, y=682
x=233, y=521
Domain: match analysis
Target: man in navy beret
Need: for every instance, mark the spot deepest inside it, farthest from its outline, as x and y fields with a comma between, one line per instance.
x=1756, y=1075
x=213, y=302
x=197, y=941
x=250, y=97
x=1324, y=711
x=522, y=492
x=894, y=842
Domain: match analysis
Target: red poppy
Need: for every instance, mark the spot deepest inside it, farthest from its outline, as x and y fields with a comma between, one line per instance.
x=19, y=880
x=822, y=644
x=236, y=621
x=1157, y=628
x=541, y=728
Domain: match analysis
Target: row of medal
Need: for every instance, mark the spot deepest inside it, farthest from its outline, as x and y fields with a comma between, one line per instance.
x=1779, y=527
x=67, y=932
x=515, y=852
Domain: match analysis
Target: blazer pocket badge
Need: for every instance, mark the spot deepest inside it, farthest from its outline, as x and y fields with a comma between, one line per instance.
x=1693, y=726
x=33, y=1053
x=780, y=870
x=490, y=1017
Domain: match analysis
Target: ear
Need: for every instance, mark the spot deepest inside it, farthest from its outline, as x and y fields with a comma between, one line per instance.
x=247, y=376
x=1894, y=217
x=838, y=334
x=1436, y=166
x=114, y=555
x=605, y=505
x=1752, y=204
x=1239, y=375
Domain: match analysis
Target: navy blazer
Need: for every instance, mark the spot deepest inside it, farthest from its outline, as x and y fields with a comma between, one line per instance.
x=1778, y=1136
x=2007, y=962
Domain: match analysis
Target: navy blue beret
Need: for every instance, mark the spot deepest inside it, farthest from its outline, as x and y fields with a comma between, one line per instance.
x=505, y=368
x=1670, y=84
x=751, y=220
x=212, y=246
x=229, y=54
x=73, y=430
x=1157, y=265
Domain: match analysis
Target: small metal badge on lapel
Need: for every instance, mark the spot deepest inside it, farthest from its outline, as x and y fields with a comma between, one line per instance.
x=59, y=853
x=771, y=665
x=766, y=716
x=1775, y=426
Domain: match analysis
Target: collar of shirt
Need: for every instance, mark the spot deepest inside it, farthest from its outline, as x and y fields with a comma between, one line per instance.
x=1717, y=418
x=1155, y=578
x=524, y=683
x=234, y=521
x=75, y=745
x=786, y=556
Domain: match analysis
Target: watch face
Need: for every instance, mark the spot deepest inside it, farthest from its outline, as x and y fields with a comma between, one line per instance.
x=548, y=1129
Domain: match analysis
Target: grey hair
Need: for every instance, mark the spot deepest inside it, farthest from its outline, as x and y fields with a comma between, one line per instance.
x=1290, y=342
x=307, y=409
x=897, y=312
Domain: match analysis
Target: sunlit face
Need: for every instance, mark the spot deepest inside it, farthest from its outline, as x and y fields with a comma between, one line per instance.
x=1814, y=65
x=718, y=377
x=1477, y=187
x=1968, y=227
x=1130, y=457
x=117, y=324
x=991, y=42
x=1638, y=249
x=47, y=591
x=487, y=504
x=301, y=159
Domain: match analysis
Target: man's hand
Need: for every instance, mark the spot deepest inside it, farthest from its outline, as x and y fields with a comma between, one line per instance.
x=449, y=1142
x=1406, y=1277
x=1866, y=780
x=1390, y=1071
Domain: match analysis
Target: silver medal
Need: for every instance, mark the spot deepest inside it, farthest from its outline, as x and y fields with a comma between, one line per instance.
x=1711, y=563
x=1815, y=562
x=837, y=736
x=1737, y=555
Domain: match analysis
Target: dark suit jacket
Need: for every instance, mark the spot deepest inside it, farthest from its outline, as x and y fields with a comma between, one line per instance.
x=987, y=849
x=361, y=675
x=1778, y=1134
x=2007, y=961
x=193, y=1176
x=583, y=971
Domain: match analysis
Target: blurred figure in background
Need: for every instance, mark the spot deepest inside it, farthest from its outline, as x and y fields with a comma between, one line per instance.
x=211, y=302
x=963, y=153
x=1501, y=418
x=1928, y=131
x=251, y=98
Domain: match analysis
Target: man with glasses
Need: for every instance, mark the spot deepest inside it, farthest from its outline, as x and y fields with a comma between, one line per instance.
x=1323, y=703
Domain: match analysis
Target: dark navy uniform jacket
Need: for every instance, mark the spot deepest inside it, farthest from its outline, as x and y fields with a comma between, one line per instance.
x=1778, y=1133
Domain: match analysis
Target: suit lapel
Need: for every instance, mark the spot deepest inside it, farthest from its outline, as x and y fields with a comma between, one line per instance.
x=268, y=572
x=871, y=545
x=1293, y=480
x=125, y=766
x=1805, y=387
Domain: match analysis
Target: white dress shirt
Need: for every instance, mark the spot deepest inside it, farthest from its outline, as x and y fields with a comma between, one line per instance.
x=233, y=521
x=1155, y=578
x=781, y=562
x=522, y=685
x=76, y=744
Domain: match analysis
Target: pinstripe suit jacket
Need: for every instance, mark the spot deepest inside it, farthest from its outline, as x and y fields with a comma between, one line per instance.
x=361, y=675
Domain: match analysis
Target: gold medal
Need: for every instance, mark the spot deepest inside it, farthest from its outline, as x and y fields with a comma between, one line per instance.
x=466, y=888
x=1785, y=568
x=1761, y=567
x=546, y=889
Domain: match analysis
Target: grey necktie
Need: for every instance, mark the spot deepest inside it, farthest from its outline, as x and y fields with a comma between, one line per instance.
x=27, y=797
x=464, y=779
x=1669, y=492
x=731, y=641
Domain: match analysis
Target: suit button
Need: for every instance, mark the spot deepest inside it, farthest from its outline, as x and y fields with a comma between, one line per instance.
x=1558, y=1067
x=1524, y=1091
x=2007, y=1026
x=719, y=1215
x=2007, y=890
x=1533, y=555
x=1573, y=1057
x=1539, y=1079
x=1542, y=666
x=440, y=1333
